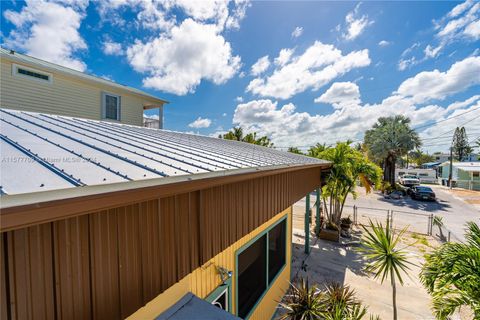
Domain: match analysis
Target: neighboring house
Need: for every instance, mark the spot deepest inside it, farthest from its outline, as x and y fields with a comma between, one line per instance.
x=31, y=84
x=424, y=175
x=464, y=174
x=103, y=220
x=442, y=157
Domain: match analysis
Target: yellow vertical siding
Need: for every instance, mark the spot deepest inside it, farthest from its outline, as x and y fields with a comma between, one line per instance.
x=205, y=279
x=64, y=96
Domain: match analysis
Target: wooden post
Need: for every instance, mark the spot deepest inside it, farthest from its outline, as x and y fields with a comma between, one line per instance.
x=307, y=224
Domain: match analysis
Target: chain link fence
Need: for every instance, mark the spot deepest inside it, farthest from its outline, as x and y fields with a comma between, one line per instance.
x=415, y=222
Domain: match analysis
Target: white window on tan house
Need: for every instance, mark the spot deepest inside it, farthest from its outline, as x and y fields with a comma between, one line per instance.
x=111, y=106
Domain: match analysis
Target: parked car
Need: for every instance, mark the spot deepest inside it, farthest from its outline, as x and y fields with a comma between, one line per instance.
x=409, y=181
x=422, y=193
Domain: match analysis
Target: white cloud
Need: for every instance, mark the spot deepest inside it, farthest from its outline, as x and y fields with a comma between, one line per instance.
x=200, y=123
x=177, y=62
x=407, y=63
x=239, y=99
x=462, y=23
x=355, y=24
x=260, y=66
x=317, y=66
x=224, y=114
x=162, y=15
x=429, y=85
x=350, y=119
x=297, y=32
x=284, y=56
x=112, y=48
x=341, y=94
x=384, y=43
x=431, y=52
x=49, y=31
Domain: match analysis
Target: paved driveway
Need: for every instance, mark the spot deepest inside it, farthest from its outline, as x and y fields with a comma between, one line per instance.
x=454, y=210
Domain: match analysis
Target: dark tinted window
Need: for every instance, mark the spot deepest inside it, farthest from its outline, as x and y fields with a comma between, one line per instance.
x=111, y=107
x=276, y=250
x=251, y=275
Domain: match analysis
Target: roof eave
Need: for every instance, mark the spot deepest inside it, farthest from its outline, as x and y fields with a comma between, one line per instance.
x=23, y=210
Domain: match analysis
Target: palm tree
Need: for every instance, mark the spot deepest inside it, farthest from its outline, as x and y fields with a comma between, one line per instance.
x=236, y=134
x=389, y=139
x=451, y=274
x=294, y=150
x=348, y=166
x=380, y=246
x=314, y=151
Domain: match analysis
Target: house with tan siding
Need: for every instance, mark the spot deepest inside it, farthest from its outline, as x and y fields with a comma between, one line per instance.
x=31, y=84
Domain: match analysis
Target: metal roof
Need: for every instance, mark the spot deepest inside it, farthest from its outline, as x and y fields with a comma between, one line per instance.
x=192, y=307
x=52, y=67
x=41, y=152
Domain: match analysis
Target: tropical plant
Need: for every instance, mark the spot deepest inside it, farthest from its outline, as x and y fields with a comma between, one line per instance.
x=302, y=302
x=451, y=274
x=314, y=151
x=418, y=157
x=294, y=150
x=340, y=303
x=460, y=147
x=385, y=259
x=237, y=134
x=348, y=167
x=334, y=302
x=389, y=139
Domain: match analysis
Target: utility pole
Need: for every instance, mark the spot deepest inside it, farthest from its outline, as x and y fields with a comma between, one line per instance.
x=451, y=168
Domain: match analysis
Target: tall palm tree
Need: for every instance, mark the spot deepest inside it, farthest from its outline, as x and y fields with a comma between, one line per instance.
x=451, y=274
x=385, y=259
x=389, y=139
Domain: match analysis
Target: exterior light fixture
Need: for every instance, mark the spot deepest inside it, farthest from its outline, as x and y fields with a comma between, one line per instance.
x=224, y=274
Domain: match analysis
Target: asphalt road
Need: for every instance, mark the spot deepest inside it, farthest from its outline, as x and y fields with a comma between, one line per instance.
x=455, y=211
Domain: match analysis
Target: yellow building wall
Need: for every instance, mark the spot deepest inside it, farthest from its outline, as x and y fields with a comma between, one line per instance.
x=205, y=279
x=66, y=95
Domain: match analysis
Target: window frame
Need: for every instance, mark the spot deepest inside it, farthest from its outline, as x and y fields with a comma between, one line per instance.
x=269, y=284
x=104, y=106
x=221, y=289
x=15, y=73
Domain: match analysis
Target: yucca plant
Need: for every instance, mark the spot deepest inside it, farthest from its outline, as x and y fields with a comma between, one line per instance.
x=340, y=303
x=302, y=302
x=385, y=259
x=334, y=302
x=451, y=274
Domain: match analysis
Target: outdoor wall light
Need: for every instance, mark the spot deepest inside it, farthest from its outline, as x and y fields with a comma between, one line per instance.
x=224, y=274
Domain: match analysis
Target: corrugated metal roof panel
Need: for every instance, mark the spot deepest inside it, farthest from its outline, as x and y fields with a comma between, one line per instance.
x=67, y=152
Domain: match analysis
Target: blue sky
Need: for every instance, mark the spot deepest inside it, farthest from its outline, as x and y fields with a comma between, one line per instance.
x=300, y=72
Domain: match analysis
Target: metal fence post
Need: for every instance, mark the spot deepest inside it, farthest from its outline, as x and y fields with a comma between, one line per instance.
x=430, y=225
x=391, y=219
x=355, y=214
